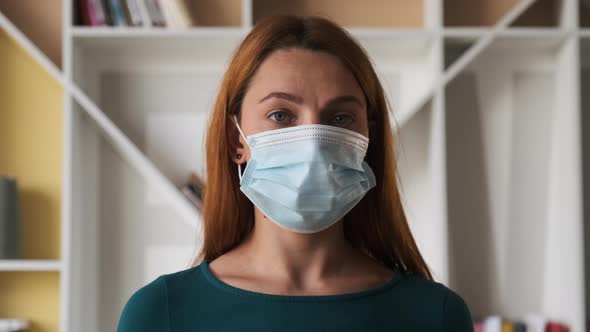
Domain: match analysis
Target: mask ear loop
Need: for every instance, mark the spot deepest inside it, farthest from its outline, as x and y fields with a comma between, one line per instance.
x=245, y=139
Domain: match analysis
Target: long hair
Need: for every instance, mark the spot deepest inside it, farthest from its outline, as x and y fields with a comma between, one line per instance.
x=377, y=225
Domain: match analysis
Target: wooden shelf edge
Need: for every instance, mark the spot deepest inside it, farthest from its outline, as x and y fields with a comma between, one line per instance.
x=510, y=32
x=120, y=32
x=156, y=32
x=15, y=265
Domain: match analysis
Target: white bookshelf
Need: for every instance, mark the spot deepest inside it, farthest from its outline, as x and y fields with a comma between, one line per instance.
x=585, y=123
x=491, y=143
x=509, y=110
x=19, y=265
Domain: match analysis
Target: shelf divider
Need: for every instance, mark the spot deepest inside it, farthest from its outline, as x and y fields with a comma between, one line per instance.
x=29, y=265
x=466, y=58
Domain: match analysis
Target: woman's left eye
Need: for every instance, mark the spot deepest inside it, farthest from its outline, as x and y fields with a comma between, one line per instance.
x=280, y=116
x=342, y=119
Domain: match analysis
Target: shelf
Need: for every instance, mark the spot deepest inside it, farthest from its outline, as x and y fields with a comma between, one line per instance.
x=406, y=65
x=585, y=124
x=488, y=169
x=29, y=265
x=86, y=34
x=124, y=233
x=507, y=119
x=204, y=13
x=139, y=95
x=356, y=13
x=511, y=41
x=469, y=13
x=419, y=146
x=127, y=32
x=33, y=296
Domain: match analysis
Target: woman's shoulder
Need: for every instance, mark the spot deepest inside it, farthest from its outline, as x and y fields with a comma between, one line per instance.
x=432, y=296
x=147, y=308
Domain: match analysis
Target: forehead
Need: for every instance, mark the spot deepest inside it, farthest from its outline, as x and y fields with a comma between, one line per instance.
x=297, y=68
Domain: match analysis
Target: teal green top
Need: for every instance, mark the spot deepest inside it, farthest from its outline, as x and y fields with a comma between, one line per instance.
x=196, y=300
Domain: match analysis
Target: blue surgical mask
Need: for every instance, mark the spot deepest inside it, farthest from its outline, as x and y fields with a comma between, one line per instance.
x=306, y=178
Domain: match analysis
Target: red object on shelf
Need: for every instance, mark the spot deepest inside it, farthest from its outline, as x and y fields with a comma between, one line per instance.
x=556, y=327
x=92, y=15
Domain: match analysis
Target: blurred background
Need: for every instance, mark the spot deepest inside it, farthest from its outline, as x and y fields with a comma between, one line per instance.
x=104, y=106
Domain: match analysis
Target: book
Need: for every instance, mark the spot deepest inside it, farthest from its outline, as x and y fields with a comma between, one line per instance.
x=108, y=18
x=132, y=13
x=478, y=326
x=507, y=325
x=175, y=13
x=193, y=190
x=9, y=219
x=492, y=324
x=155, y=13
x=535, y=323
x=144, y=13
x=519, y=326
x=555, y=327
x=92, y=12
x=185, y=13
x=117, y=13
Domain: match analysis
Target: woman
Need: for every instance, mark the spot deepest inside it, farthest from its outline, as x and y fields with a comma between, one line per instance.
x=303, y=223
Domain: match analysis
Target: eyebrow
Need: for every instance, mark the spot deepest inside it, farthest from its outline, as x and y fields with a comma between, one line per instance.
x=299, y=99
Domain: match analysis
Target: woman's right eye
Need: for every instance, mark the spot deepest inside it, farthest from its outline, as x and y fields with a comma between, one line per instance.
x=279, y=116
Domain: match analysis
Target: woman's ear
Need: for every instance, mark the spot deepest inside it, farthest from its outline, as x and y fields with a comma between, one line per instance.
x=237, y=148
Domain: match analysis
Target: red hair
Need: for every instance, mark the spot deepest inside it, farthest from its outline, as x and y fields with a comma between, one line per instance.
x=377, y=225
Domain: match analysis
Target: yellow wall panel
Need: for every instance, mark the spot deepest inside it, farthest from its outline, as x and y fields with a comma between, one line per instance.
x=33, y=296
x=31, y=146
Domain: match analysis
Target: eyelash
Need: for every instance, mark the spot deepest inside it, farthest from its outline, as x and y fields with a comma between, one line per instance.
x=288, y=113
x=279, y=111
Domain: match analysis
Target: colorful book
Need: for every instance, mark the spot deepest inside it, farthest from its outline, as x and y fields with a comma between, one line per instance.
x=556, y=327
x=117, y=13
x=519, y=326
x=507, y=326
x=92, y=12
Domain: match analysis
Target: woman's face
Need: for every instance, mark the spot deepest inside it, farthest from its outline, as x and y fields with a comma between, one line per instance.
x=296, y=86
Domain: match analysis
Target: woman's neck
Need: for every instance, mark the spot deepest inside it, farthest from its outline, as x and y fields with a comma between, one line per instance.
x=300, y=258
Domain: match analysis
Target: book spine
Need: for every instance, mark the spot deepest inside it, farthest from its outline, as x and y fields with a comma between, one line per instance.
x=108, y=17
x=9, y=219
x=84, y=12
x=156, y=15
x=145, y=15
x=132, y=12
x=100, y=12
x=96, y=12
x=167, y=13
x=493, y=324
x=184, y=13
x=117, y=13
